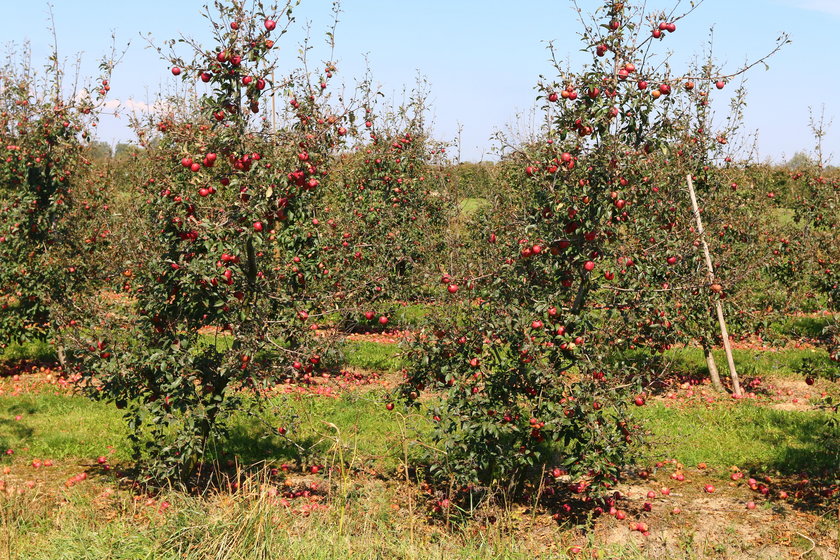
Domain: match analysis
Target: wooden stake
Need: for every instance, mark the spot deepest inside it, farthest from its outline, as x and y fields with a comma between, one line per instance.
x=724, y=333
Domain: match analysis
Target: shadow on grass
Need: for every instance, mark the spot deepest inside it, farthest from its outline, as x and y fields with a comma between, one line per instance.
x=813, y=446
x=745, y=434
x=801, y=327
x=36, y=353
x=808, y=469
x=252, y=446
x=15, y=430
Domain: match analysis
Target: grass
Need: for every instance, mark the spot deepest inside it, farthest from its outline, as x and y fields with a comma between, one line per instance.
x=470, y=206
x=64, y=426
x=249, y=526
x=356, y=425
x=748, y=363
x=68, y=426
x=413, y=315
x=373, y=513
x=801, y=327
x=61, y=427
x=38, y=351
x=748, y=436
x=372, y=356
x=377, y=520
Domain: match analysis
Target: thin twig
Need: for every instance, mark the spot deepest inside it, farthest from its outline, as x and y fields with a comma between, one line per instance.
x=809, y=539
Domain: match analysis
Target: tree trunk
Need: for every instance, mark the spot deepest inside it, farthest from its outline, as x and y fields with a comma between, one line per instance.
x=710, y=362
x=62, y=355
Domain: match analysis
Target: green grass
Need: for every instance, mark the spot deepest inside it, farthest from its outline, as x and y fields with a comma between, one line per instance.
x=372, y=356
x=355, y=430
x=801, y=327
x=38, y=351
x=747, y=435
x=221, y=341
x=470, y=206
x=413, y=315
x=356, y=424
x=355, y=427
x=365, y=355
x=61, y=427
x=748, y=363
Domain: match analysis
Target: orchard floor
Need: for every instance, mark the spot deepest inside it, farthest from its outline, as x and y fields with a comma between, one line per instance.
x=720, y=478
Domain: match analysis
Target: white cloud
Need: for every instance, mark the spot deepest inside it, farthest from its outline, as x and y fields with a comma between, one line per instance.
x=138, y=106
x=133, y=105
x=129, y=104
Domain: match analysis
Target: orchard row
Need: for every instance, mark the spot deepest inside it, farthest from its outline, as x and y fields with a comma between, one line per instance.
x=227, y=251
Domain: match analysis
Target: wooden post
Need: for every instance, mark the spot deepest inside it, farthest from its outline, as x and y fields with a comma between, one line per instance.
x=724, y=333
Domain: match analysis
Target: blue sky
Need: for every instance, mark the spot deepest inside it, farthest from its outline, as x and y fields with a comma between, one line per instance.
x=482, y=58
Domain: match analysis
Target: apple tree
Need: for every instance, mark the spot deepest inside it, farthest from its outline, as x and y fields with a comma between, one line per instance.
x=224, y=293
x=548, y=350
x=391, y=210
x=49, y=200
